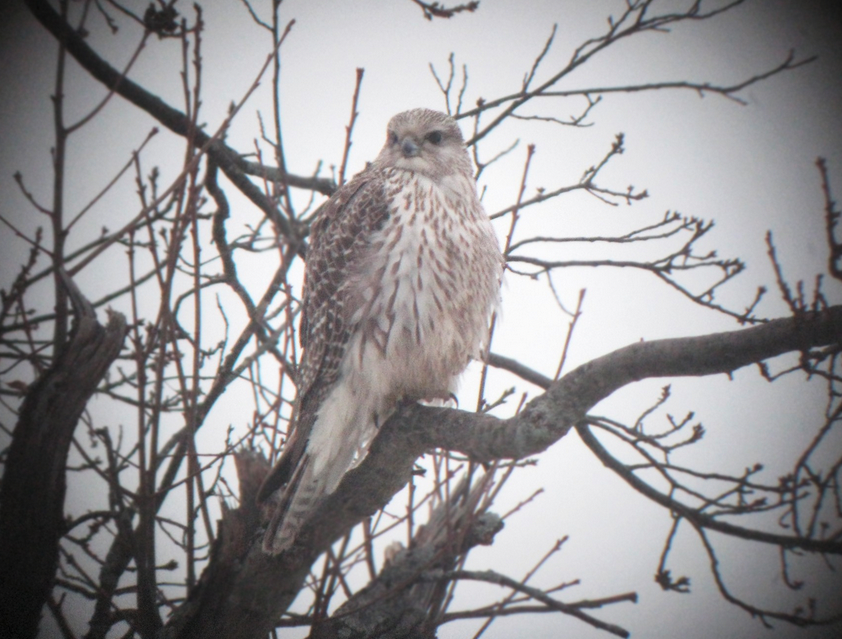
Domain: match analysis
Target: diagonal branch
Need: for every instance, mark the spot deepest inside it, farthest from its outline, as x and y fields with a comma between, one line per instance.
x=231, y=163
x=574, y=610
x=257, y=589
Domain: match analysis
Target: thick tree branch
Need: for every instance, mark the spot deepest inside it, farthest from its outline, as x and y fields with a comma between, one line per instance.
x=403, y=600
x=258, y=588
x=32, y=495
x=548, y=417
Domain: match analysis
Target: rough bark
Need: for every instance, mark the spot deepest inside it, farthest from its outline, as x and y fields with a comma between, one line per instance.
x=405, y=598
x=32, y=494
x=244, y=599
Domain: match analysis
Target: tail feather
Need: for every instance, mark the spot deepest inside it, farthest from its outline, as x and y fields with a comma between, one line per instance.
x=300, y=498
x=329, y=436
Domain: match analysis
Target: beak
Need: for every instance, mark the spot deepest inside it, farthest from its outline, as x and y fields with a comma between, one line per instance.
x=409, y=148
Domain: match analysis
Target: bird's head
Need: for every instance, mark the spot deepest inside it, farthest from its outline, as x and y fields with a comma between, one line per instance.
x=427, y=142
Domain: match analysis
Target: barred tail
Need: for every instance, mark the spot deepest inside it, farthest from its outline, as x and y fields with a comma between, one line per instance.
x=342, y=425
x=300, y=499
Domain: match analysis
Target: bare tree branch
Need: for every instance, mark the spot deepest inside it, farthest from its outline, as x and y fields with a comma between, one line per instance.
x=234, y=167
x=32, y=492
x=201, y=329
x=263, y=587
x=436, y=10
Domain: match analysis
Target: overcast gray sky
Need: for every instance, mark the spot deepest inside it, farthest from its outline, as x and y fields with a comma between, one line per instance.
x=751, y=168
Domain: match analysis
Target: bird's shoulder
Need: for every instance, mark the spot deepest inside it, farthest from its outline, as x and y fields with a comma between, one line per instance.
x=358, y=206
x=338, y=236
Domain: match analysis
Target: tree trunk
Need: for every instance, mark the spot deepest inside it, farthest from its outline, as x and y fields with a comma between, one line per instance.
x=32, y=493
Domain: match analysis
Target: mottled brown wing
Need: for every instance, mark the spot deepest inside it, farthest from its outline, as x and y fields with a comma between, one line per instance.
x=338, y=240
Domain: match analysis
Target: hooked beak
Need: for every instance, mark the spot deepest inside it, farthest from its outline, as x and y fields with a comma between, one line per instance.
x=409, y=148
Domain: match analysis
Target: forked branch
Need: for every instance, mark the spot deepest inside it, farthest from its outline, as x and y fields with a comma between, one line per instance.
x=263, y=587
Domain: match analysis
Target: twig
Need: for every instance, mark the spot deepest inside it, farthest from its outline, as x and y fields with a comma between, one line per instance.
x=350, y=128
x=489, y=576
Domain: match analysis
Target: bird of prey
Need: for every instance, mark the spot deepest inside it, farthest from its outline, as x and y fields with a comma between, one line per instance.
x=403, y=273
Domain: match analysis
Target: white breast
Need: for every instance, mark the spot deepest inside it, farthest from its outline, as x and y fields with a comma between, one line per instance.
x=420, y=307
x=429, y=286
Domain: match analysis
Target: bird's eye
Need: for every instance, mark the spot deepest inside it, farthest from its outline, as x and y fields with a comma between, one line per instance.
x=434, y=137
x=393, y=137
